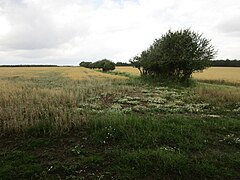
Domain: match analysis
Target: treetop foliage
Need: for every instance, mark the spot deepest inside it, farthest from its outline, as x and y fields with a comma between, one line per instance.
x=175, y=55
x=104, y=64
x=123, y=64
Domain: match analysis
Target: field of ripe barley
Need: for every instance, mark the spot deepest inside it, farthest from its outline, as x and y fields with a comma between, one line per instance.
x=36, y=96
x=228, y=74
x=128, y=69
x=75, y=73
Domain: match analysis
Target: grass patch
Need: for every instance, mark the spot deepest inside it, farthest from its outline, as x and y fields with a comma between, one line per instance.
x=218, y=95
x=19, y=165
x=220, y=82
x=126, y=146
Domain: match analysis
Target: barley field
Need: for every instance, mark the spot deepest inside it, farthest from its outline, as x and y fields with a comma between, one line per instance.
x=130, y=70
x=228, y=74
x=31, y=96
x=75, y=73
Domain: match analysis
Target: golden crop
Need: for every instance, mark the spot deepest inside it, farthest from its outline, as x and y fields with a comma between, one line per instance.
x=229, y=74
x=75, y=73
x=38, y=97
x=127, y=69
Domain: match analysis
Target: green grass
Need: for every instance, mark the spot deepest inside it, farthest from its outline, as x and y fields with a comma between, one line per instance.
x=19, y=165
x=126, y=146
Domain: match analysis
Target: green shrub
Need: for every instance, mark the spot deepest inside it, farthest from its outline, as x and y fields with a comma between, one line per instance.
x=176, y=55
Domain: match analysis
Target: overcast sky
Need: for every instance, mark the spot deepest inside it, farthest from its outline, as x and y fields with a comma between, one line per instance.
x=69, y=31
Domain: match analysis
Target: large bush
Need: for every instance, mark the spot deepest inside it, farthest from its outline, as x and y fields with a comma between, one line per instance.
x=176, y=55
x=104, y=64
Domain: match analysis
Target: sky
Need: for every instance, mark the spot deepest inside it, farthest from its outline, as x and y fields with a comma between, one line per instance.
x=66, y=32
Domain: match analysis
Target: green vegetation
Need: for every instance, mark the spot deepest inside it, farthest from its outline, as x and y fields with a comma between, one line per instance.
x=52, y=127
x=226, y=63
x=126, y=146
x=105, y=65
x=175, y=56
x=122, y=64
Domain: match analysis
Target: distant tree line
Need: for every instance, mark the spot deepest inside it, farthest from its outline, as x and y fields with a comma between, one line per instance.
x=123, y=64
x=28, y=65
x=225, y=63
x=104, y=64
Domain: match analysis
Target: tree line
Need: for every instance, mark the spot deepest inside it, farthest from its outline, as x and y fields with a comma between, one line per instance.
x=225, y=63
x=29, y=65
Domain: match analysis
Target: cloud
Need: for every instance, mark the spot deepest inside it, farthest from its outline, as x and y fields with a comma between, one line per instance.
x=38, y=26
x=67, y=31
x=230, y=26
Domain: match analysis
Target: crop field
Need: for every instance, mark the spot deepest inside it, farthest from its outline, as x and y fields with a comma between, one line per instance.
x=127, y=69
x=27, y=94
x=75, y=73
x=77, y=123
x=227, y=74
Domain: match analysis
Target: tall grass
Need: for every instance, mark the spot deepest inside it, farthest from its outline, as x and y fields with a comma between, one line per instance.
x=218, y=95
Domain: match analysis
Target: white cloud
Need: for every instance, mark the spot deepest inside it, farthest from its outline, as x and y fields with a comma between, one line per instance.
x=67, y=31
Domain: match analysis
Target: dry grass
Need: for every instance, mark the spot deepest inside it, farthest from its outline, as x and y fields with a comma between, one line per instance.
x=218, y=95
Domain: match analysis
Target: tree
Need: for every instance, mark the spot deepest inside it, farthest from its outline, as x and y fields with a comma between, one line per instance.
x=108, y=66
x=85, y=64
x=122, y=64
x=176, y=55
x=226, y=63
x=104, y=64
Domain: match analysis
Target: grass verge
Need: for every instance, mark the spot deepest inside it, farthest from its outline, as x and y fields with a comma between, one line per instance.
x=121, y=146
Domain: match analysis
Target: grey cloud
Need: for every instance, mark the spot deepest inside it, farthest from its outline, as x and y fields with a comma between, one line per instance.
x=36, y=28
x=67, y=31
